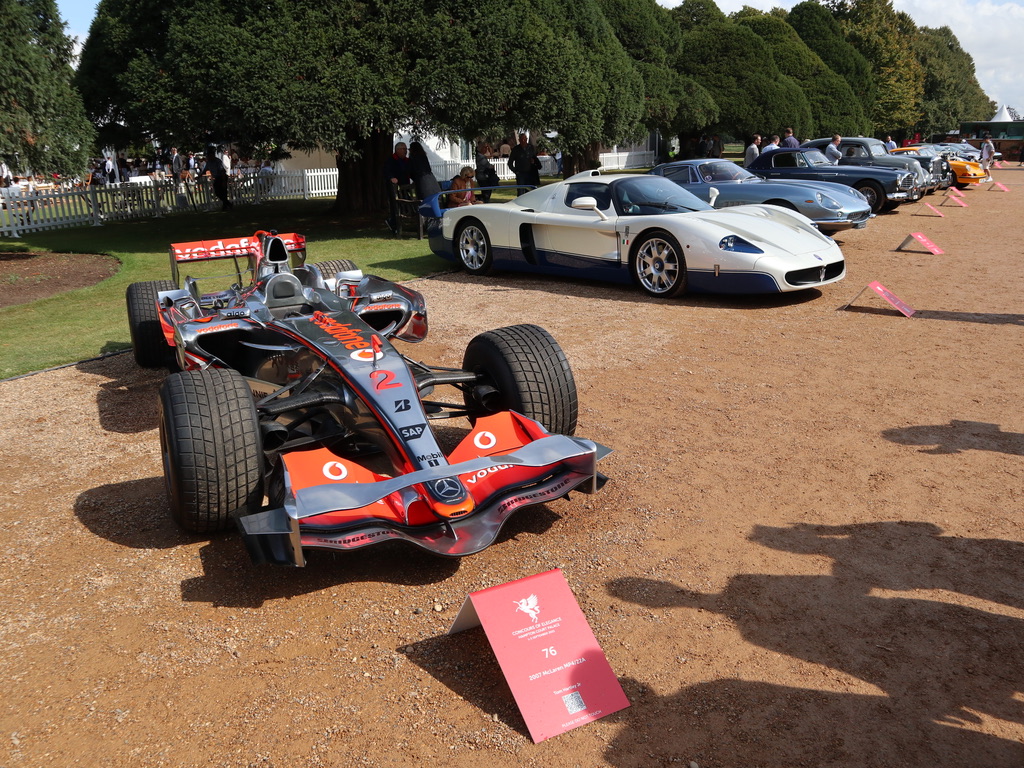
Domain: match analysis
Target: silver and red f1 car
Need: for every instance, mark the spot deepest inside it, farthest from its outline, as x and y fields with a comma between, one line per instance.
x=293, y=415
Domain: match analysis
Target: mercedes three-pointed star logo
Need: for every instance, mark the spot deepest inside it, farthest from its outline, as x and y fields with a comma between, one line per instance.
x=448, y=488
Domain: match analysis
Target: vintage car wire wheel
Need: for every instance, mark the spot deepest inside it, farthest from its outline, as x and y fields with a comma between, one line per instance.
x=529, y=373
x=473, y=247
x=149, y=346
x=873, y=193
x=658, y=265
x=211, y=448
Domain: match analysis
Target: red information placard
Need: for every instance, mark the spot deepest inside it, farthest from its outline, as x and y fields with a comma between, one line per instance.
x=954, y=191
x=920, y=238
x=554, y=666
x=933, y=209
x=1000, y=186
x=892, y=298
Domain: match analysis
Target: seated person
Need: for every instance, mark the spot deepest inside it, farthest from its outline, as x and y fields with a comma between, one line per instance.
x=464, y=181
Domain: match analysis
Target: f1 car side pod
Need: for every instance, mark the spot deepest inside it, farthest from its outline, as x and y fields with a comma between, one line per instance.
x=278, y=536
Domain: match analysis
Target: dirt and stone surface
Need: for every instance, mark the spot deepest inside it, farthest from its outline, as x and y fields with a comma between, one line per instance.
x=810, y=552
x=28, y=276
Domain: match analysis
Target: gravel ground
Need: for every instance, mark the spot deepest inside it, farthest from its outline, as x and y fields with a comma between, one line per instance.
x=810, y=552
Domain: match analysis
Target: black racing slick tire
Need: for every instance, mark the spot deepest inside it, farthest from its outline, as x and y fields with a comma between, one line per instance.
x=329, y=269
x=522, y=368
x=473, y=247
x=212, y=453
x=149, y=346
x=874, y=194
x=658, y=265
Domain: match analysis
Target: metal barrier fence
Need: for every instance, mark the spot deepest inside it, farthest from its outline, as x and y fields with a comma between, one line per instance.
x=25, y=209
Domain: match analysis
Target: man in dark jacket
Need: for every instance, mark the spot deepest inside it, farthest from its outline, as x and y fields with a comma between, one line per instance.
x=525, y=164
x=215, y=168
x=396, y=174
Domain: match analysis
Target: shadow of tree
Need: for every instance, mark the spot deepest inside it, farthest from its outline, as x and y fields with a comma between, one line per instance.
x=947, y=670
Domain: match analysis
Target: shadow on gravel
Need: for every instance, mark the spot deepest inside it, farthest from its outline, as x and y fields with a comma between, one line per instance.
x=231, y=580
x=958, y=436
x=936, y=314
x=504, y=282
x=126, y=395
x=133, y=514
x=950, y=674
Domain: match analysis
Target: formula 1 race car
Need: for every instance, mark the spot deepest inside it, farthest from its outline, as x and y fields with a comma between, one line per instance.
x=293, y=415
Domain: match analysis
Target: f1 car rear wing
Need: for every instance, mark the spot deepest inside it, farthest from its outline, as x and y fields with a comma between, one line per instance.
x=250, y=246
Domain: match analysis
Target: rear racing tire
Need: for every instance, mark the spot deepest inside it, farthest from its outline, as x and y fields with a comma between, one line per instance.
x=873, y=192
x=522, y=368
x=473, y=247
x=149, y=346
x=658, y=265
x=329, y=269
x=212, y=452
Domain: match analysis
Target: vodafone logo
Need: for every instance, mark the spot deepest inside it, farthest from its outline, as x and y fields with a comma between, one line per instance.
x=335, y=470
x=485, y=440
x=366, y=355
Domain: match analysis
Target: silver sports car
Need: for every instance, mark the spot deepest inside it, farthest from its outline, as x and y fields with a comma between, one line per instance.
x=833, y=207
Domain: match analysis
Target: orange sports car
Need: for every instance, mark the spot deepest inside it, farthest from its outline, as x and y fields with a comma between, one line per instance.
x=966, y=171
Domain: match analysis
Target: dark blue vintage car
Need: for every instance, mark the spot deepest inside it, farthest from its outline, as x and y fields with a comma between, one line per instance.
x=832, y=207
x=884, y=188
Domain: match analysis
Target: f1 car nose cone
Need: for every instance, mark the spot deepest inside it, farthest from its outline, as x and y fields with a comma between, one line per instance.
x=448, y=489
x=450, y=498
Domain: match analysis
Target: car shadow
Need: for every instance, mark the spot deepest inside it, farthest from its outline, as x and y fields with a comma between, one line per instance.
x=503, y=282
x=126, y=395
x=958, y=436
x=947, y=669
x=131, y=514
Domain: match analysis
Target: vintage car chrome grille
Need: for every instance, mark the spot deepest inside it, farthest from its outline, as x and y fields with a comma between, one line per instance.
x=813, y=275
x=907, y=182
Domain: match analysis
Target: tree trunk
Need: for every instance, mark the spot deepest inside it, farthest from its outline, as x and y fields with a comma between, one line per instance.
x=361, y=183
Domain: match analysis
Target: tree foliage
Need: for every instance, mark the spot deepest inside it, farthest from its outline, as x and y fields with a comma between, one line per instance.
x=834, y=108
x=886, y=39
x=41, y=116
x=735, y=65
x=818, y=28
x=951, y=92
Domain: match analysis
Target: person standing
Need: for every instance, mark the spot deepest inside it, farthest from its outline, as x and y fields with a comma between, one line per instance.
x=396, y=172
x=832, y=152
x=772, y=145
x=753, y=151
x=790, y=141
x=525, y=164
x=717, y=147
x=6, y=177
x=890, y=145
x=215, y=167
x=421, y=173
x=110, y=170
x=988, y=153
x=485, y=173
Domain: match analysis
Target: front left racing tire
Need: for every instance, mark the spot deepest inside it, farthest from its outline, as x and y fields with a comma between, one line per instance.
x=658, y=265
x=522, y=368
x=473, y=247
x=211, y=447
x=149, y=346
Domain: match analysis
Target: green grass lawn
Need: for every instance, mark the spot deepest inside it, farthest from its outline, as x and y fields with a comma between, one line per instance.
x=91, y=321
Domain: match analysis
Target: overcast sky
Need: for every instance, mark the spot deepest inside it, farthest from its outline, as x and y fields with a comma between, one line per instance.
x=990, y=31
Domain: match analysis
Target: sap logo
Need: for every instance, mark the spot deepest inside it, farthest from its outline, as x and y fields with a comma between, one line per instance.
x=412, y=432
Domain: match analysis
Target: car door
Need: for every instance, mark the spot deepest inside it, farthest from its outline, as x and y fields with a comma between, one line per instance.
x=563, y=236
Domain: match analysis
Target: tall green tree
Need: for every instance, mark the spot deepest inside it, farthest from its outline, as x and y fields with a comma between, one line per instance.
x=834, y=107
x=735, y=65
x=886, y=39
x=42, y=121
x=818, y=28
x=951, y=91
x=347, y=74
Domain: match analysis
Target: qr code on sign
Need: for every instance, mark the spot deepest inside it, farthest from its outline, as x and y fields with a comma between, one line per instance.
x=573, y=703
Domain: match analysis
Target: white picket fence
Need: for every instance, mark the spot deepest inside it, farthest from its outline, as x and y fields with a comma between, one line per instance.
x=25, y=209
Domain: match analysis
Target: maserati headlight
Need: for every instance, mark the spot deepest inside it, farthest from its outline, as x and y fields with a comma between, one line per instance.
x=737, y=244
x=827, y=202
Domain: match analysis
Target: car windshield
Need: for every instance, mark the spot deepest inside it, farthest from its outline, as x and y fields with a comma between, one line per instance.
x=814, y=157
x=650, y=195
x=877, y=150
x=723, y=170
